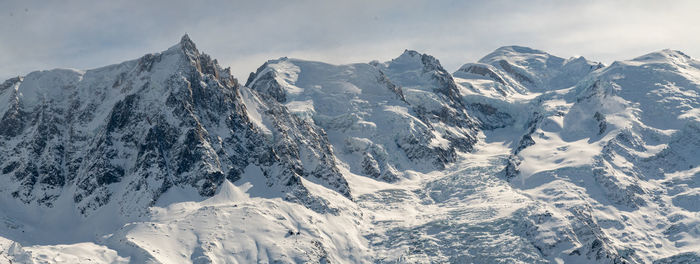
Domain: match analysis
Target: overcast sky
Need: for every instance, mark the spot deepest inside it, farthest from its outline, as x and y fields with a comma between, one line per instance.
x=44, y=34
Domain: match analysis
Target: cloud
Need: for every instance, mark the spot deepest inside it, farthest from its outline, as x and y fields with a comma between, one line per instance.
x=243, y=34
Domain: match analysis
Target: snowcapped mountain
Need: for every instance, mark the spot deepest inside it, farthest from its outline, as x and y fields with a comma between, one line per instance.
x=522, y=157
x=381, y=118
x=100, y=147
x=621, y=141
x=522, y=70
x=134, y=130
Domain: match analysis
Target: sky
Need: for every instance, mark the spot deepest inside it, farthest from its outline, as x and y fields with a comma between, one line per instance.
x=37, y=35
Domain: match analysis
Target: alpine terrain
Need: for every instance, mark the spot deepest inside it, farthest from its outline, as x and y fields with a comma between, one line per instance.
x=521, y=157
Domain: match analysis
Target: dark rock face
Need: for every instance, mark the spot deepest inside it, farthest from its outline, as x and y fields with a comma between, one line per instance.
x=13, y=119
x=266, y=84
x=602, y=125
x=127, y=133
x=512, y=163
x=530, y=128
x=453, y=113
x=13, y=122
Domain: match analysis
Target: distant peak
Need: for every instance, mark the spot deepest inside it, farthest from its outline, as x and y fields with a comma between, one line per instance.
x=513, y=52
x=665, y=55
x=519, y=49
x=408, y=56
x=185, y=37
x=414, y=59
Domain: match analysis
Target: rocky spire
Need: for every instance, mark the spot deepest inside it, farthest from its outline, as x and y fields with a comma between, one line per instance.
x=188, y=45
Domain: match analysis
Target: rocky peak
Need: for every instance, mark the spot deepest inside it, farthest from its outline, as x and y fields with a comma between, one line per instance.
x=264, y=81
x=185, y=47
x=421, y=70
x=188, y=45
x=184, y=56
x=413, y=60
x=204, y=63
x=408, y=54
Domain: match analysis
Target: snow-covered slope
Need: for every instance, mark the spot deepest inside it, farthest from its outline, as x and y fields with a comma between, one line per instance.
x=381, y=118
x=535, y=70
x=522, y=157
x=621, y=147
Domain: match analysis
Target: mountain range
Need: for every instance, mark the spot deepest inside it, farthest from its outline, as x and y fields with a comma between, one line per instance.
x=521, y=157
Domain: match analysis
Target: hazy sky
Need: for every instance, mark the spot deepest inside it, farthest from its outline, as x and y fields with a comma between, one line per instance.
x=244, y=34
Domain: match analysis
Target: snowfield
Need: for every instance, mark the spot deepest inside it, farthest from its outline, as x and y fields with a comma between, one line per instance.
x=521, y=157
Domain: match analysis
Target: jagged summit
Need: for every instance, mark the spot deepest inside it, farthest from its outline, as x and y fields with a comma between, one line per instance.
x=414, y=60
x=187, y=43
x=409, y=59
x=408, y=54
